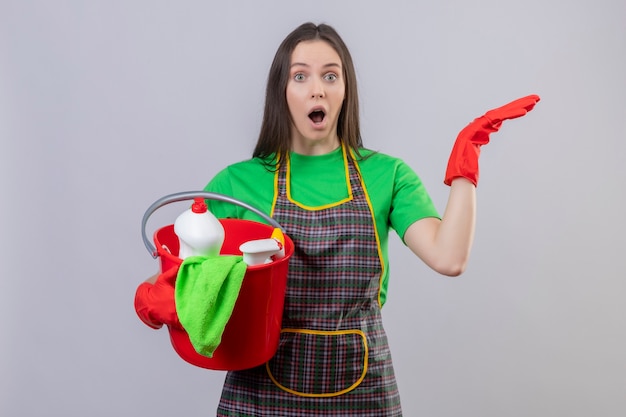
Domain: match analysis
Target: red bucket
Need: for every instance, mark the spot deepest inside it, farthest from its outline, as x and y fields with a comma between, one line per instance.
x=251, y=335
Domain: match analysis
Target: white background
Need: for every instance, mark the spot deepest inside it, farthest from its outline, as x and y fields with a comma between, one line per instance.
x=106, y=106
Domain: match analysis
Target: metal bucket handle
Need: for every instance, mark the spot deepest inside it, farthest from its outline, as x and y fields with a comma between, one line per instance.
x=190, y=195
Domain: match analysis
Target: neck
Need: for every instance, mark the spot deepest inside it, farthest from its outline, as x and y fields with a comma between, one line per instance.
x=315, y=147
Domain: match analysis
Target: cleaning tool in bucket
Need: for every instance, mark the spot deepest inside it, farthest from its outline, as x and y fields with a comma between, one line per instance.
x=250, y=337
x=207, y=283
x=206, y=291
x=260, y=251
x=199, y=232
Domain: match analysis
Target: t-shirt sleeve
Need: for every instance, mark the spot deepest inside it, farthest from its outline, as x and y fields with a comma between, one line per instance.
x=249, y=182
x=410, y=201
x=221, y=184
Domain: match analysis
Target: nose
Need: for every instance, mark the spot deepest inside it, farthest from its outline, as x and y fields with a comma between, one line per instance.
x=317, y=89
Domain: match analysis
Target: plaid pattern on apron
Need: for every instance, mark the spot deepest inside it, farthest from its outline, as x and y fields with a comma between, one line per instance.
x=333, y=358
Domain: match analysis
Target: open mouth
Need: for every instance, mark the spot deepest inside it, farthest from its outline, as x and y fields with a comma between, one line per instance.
x=317, y=116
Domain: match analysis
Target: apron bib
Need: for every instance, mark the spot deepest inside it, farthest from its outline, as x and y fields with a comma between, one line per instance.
x=333, y=358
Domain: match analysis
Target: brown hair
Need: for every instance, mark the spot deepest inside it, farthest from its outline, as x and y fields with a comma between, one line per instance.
x=275, y=134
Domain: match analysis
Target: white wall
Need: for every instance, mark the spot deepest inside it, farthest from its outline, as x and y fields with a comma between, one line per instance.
x=106, y=106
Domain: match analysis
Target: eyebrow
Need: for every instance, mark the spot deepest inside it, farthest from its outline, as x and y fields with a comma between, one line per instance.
x=332, y=64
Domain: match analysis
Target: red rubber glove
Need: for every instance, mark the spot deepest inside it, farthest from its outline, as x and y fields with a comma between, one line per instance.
x=463, y=160
x=154, y=303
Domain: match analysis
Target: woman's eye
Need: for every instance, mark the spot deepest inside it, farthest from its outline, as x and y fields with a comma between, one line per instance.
x=299, y=77
x=330, y=77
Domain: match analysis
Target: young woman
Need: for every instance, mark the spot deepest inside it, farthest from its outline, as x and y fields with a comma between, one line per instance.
x=337, y=201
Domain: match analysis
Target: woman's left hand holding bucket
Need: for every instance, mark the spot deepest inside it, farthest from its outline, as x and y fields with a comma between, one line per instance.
x=154, y=303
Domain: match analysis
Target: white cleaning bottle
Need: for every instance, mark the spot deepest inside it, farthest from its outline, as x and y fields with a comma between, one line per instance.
x=199, y=232
x=263, y=251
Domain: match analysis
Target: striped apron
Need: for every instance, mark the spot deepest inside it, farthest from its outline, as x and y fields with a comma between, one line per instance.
x=333, y=358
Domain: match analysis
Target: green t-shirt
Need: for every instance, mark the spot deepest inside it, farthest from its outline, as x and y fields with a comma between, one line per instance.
x=396, y=193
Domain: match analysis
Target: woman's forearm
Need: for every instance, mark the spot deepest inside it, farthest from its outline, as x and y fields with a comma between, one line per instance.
x=444, y=245
x=455, y=234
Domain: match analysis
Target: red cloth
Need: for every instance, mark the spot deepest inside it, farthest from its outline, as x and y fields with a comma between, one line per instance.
x=463, y=161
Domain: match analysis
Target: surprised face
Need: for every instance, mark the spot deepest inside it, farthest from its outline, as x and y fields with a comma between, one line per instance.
x=315, y=95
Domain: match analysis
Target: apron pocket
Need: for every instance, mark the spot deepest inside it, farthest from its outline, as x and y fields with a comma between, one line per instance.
x=315, y=363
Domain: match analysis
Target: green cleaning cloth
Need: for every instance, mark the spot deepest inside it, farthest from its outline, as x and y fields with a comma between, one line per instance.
x=205, y=293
